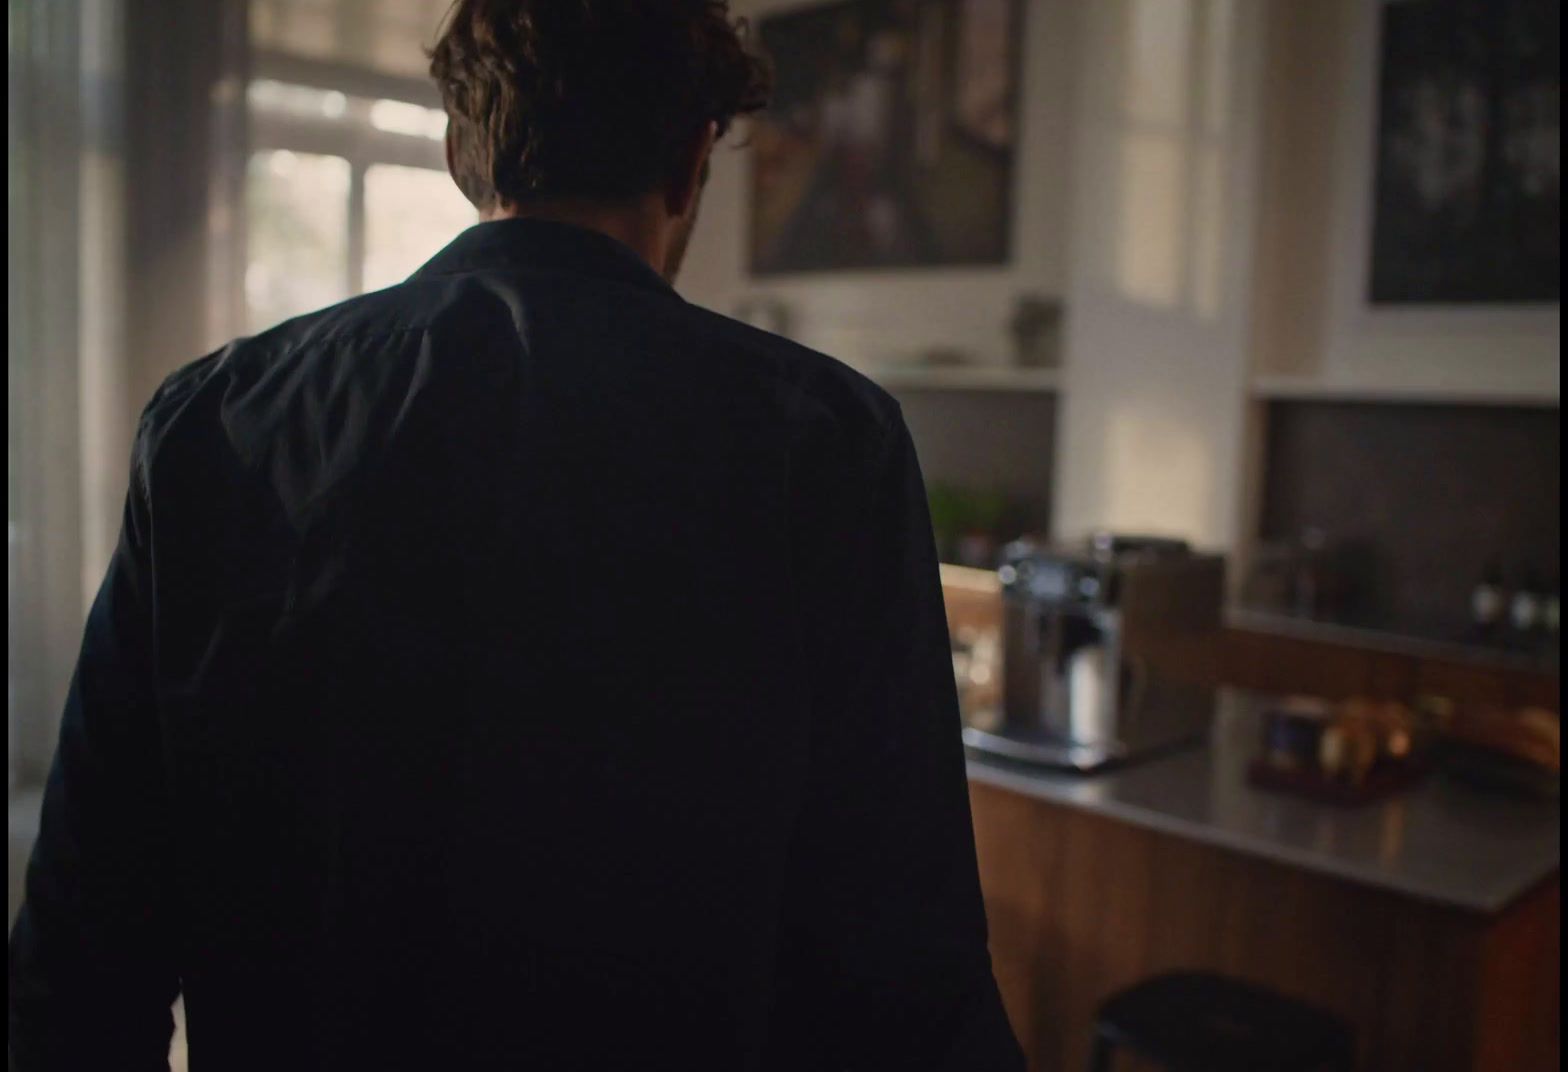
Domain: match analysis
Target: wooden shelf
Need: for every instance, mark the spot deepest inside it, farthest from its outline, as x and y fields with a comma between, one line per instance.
x=966, y=378
x=1310, y=389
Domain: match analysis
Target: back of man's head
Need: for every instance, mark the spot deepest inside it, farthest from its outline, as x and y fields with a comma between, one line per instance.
x=586, y=100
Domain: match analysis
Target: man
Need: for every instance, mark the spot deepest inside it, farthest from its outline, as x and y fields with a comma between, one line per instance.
x=520, y=667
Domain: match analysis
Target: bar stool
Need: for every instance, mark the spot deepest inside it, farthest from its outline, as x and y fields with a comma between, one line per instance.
x=1201, y=1022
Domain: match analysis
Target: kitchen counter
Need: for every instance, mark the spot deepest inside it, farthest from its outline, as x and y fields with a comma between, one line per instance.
x=1440, y=842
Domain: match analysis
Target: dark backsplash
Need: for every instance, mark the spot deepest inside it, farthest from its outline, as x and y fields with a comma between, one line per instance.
x=1417, y=499
x=992, y=442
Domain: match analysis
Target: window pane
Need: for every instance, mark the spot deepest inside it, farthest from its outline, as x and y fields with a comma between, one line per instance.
x=400, y=117
x=410, y=213
x=297, y=235
x=1152, y=184
x=305, y=101
x=1156, y=68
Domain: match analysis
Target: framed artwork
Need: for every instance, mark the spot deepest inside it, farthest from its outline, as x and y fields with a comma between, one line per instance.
x=892, y=136
x=1467, y=185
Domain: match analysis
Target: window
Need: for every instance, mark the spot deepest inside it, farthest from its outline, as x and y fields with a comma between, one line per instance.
x=1174, y=128
x=343, y=194
x=296, y=207
x=345, y=187
x=410, y=213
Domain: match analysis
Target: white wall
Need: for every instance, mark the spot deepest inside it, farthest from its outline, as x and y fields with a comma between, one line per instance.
x=868, y=316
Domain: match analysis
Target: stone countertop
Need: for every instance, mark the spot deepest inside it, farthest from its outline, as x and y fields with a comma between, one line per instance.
x=1440, y=842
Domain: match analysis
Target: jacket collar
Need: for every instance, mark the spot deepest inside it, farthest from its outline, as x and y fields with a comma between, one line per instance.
x=546, y=246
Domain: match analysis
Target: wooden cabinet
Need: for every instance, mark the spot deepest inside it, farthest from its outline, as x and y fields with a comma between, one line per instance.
x=1081, y=905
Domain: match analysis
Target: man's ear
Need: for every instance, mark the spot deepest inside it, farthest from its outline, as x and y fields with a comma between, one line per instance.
x=690, y=172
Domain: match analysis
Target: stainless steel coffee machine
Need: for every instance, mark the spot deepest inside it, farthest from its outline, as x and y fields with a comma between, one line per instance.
x=1094, y=639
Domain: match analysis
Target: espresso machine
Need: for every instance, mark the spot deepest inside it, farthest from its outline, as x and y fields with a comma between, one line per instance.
x=1098, y=640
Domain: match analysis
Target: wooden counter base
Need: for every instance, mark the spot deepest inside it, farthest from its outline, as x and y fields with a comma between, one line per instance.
x=1081, y=905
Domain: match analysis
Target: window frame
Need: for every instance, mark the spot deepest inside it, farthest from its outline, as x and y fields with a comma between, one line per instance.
x=349, y=137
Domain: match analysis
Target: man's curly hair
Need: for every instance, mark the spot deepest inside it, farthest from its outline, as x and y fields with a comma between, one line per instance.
x=587, y=99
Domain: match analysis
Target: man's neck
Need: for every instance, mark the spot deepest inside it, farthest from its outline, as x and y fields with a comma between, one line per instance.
x=633, y=224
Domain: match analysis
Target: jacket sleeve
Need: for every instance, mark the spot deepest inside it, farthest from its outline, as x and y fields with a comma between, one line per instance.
x=883, y=957
x=92, y=968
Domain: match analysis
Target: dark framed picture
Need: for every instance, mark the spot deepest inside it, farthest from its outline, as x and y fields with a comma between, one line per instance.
x=1467, y=194
x=892, y=136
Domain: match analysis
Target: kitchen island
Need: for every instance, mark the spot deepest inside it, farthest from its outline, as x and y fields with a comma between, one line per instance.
x=1430, y=921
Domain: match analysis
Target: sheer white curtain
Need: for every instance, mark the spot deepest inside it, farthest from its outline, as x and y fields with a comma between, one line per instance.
x=128, y=145
x=43, y=290
x=121, y=144
x=117, y=122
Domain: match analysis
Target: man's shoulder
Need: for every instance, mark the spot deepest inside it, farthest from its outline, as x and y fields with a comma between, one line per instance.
x=823, y=388
x=244, y=361
x=410, y=307
x=407, y=308
x=823, y=394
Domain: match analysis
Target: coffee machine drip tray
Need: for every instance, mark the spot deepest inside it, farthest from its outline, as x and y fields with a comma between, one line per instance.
x=1041, y=749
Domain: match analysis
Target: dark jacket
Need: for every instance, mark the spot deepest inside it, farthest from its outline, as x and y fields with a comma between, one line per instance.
x=515, y=668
